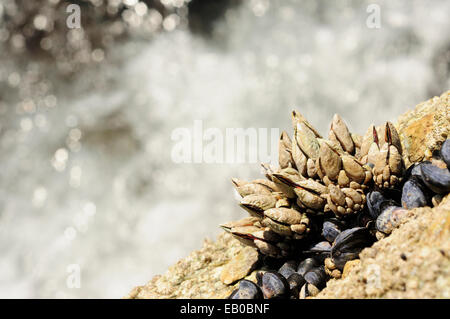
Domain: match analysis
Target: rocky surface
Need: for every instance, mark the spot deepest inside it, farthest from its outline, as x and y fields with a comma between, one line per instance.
x=239, y=266
x=424, y=129
x=198, y=275
x=413, y=262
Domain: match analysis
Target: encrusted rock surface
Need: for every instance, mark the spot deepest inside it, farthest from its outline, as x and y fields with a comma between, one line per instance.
x=240, y=266
x=424, y=129
x=198, y=275
x=413, y=262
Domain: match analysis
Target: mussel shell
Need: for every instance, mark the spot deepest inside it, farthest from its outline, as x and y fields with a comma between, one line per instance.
x=413, y=170
x=390, y=218
x=274, y=285
x=376, y=202
x=247, y=290
x=435, y=178
x=320, y=247
x=258, y=276
x=321, y=250
x=348, y=245
x=288, y=268
x=364, y=219
x=445, y=152
x=330, y=230
x=413, y=194
x=306, y=265
x=295, y=281
x=374, y=199
x=233, y=295
x=316, y=277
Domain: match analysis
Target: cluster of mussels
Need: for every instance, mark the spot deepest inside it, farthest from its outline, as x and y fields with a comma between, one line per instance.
x=328, y=200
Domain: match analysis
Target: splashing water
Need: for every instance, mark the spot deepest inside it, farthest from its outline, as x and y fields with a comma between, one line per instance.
x=87, y=177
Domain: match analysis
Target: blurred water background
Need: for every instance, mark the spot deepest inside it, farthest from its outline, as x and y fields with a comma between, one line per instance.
x=86, y=118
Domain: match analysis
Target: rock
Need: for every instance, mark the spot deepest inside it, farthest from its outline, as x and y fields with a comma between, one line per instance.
x=413, y=262
x=197, y=275
x=349, y=266
x=240, y=266
x=424, y=129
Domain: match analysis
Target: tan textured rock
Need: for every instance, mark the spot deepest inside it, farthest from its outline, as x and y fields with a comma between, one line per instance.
x=413, y=262
x=424, y=129
x=349, y=265
x=240, y=266
x=196, y=276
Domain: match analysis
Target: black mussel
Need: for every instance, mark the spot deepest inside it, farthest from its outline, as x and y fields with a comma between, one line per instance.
x=288, y=268
x=274, y=285
x=317, y=277
x=308, y=290
x=233, y=295
x=373, y=200
x=364, y=219
x=390, y=218
x=416, y=169
x=321, y=250
x=348, y=244
x=295, y=281
x=320, y=247
x=330, y=230
x=445, y=152
x=413, y=169
x=413, y=193
x=247, y=290
x=259, y=276
x=436, y=177
x=306, y=265
x=376, y=202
